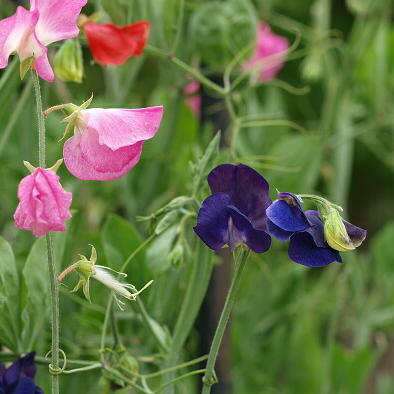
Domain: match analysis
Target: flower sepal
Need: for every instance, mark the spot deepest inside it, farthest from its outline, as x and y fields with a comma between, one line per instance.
x=25, y=66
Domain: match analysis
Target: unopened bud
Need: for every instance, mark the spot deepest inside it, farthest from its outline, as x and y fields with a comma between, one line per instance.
x=335, y=232
x=68, y=62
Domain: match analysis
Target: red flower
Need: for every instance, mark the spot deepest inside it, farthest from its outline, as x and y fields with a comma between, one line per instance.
x=111, y=44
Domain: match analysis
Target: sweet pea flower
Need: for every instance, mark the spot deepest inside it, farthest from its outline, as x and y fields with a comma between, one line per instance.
x=305, y=230
x=18, y=378
x=107, y=143
x=43, y=203
x=113, y=45
x=29, y=32
x=269, y=54
x=193, y=98
x=235, y=212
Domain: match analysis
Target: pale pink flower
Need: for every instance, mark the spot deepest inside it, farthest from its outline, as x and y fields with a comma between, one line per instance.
x=43, y=203
x=269, y=54
x=193, y=98
x=28, y=32
x=107, y=143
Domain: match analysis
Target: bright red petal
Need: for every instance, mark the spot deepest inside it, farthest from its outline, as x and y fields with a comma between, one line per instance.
x=111, y=44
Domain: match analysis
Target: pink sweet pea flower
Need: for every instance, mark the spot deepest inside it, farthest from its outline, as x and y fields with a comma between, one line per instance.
x=28, y=32
x=107, y=143
x=269, y=54
x=43, y=203
x=193, y=99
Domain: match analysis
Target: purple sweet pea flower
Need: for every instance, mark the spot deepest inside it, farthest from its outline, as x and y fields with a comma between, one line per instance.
x=235, y=212
x=18, y=378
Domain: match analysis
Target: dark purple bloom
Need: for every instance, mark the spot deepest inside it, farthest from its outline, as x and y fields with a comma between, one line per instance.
x=235, y=212
x=18, y=378
x=287, y=220
x=309, y=247
x=286, y=217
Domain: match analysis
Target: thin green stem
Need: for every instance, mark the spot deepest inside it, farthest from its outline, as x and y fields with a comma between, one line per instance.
x=51, y=265
x=144, y=314
x=83, y=369
x=186, y=375
x=148, y=324
x=185, y=67
x=209, y=378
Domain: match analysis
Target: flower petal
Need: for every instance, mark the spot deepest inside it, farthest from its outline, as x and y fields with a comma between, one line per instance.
x=58, y=19
x=303, y=250
x=26, y=385
x=44, y=204
x=117, y=128
x=257, y=240
x=277, y=232
x=269, y=54
x=286, y=216
x=246, y=187
x=356, y=234
x=212, y=221
x=43, y=68
x=111, y=44
x=24, y=366
x=17, y=35
x=86, y=159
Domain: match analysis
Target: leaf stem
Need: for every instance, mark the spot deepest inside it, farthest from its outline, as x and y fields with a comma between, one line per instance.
x=51, y=265
x=209, y=378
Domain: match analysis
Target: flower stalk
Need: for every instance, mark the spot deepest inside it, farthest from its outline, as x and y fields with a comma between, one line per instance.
x=240, y=258
x=54, y=366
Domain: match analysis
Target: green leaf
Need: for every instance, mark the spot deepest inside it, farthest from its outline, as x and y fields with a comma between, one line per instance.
x=36, y=289
x=205, y=164
x=9, y=298
x=119, y=240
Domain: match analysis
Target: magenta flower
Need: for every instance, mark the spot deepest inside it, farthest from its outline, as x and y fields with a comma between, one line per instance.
x=193, y=98
x=269, y=54
x=107, y=143
x=28, y=32
x=43, y=203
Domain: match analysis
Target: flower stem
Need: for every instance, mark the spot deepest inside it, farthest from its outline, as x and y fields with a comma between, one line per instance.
x=209, y=378
x=51, y=266
x=185, y=67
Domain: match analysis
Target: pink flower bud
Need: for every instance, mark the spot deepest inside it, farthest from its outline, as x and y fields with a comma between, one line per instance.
x=43, y=203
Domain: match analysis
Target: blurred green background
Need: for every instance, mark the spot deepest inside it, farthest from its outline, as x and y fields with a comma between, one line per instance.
x=325, y=125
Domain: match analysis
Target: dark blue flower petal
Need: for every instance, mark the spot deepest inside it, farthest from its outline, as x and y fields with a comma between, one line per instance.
x=286, y=216
x=26, y=385
x=356, y=234
x=257, y=240
x=290, y=198
x=317, y=228
x=277, y=232
x=2, y=371
x=24, y=366
x=2, y=388
x=303, y=250
x=247, y=189
x=212, y=220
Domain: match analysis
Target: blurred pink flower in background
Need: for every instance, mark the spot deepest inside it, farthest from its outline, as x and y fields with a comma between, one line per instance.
x=107, y=143
x=43, y=203
x=28, y=32
x=268, y=57
x=193, y=98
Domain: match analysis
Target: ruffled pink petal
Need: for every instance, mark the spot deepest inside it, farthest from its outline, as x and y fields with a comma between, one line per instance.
x=87, y=159
x=43, y=68
x=43, y=204
x=58, y=19
x=17, y=35
x=117, y=128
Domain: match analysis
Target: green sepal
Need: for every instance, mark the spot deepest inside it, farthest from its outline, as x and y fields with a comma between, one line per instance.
x=25, y=66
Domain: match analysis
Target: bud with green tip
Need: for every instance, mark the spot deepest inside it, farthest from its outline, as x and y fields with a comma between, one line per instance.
x=87, y=269
x=68, y=62
x=339, y=234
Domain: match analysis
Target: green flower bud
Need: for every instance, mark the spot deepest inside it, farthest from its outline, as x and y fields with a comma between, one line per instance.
x=335, y=232
x=68, y=62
